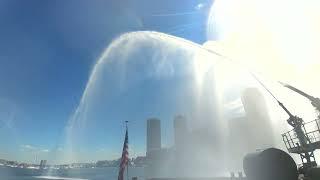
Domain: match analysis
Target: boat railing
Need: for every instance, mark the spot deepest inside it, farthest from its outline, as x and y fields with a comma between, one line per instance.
x=311, y=130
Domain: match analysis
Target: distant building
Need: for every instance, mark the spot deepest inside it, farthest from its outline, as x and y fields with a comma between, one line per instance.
x=180, y=131
x=43, y=164
x=102, y=163
x=153, y=135
x=3, y=161
x=160, y=163
x=140, y=161
x=258, y=118
x=12, y=163
x=108, y=163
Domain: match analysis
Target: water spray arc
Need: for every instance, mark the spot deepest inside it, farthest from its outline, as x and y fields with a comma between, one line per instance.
x=137, y=40
x=129, y=43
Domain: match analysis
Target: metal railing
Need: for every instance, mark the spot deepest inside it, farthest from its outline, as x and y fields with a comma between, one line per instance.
x=311, y=130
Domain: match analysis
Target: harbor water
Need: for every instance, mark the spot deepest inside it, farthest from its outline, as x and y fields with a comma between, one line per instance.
x=106, y=173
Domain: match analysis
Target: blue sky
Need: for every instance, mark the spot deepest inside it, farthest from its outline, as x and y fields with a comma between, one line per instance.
x=48, y=49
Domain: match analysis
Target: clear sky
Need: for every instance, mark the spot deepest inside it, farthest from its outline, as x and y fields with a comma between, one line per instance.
x=48, y=49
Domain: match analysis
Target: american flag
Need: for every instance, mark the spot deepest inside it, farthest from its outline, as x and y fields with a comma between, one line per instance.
x=124, y=157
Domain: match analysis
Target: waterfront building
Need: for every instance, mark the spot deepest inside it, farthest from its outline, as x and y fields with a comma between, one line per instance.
x=153, y=135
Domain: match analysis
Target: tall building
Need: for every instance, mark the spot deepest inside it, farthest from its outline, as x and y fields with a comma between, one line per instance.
x=258, y=119
x=180, y=131
x=153, y=135
x=43, y=164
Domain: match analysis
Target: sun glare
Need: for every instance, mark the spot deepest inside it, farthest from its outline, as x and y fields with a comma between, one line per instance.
x=268, y=36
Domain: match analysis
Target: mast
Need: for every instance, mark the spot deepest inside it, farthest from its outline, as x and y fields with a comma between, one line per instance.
x=128, y=151
x=280, y=104
x=314, y=101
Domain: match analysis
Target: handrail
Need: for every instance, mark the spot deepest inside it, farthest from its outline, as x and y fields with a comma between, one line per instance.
x=292, y=141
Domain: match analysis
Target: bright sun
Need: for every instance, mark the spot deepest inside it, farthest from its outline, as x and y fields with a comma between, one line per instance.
x=278, y=39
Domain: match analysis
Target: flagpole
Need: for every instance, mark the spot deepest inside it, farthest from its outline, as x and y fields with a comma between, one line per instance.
x=128, y=152
x=127, y=171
